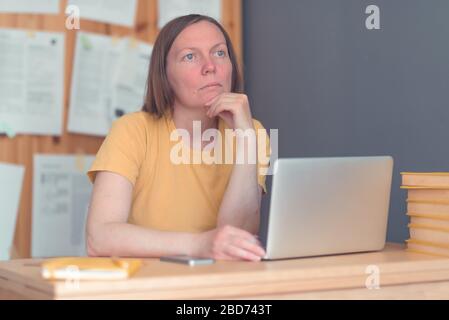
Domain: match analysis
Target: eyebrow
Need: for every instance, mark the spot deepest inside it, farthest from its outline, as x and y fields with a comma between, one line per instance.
x=194, y=48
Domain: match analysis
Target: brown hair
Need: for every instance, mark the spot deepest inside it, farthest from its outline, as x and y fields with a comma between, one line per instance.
x=159, y=97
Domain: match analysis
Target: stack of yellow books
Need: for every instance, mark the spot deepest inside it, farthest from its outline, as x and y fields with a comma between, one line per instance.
x=428, y=209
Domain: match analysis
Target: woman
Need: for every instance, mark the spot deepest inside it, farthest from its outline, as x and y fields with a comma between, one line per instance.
x=145, y=205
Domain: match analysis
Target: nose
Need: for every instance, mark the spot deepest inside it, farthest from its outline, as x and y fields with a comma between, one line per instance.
x=208, y=67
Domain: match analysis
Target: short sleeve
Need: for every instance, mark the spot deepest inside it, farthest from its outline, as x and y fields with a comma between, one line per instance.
x=123, y=149
x=263, y=153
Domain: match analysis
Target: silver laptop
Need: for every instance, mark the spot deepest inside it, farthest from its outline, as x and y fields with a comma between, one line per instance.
x=322, y=206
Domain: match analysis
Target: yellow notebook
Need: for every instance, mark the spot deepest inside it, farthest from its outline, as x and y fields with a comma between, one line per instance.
x=426, y=247
x=425, y=180
x=84, y=268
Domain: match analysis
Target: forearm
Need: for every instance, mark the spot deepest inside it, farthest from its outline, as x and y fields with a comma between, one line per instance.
x=240, y=206
x=127, y=240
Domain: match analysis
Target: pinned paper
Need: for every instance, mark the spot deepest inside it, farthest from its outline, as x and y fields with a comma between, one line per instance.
x=106, y=82
x=92, y=81
x=132, y=70
x=32, y=79
x=61, y=195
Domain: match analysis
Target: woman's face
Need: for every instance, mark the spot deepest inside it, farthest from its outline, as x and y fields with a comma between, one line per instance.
x=198, y=65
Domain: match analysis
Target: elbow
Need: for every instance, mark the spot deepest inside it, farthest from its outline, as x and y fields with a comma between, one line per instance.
x=95, y=246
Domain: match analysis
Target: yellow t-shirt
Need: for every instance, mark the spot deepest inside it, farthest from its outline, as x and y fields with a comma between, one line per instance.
x=166, y=196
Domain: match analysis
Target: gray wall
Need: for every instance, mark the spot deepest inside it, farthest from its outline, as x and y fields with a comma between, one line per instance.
x=334, y=88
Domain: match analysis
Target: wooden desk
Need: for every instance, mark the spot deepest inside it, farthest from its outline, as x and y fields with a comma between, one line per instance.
x=402, y=275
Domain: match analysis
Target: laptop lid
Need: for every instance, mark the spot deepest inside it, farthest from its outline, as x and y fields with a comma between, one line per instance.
x=322, y=206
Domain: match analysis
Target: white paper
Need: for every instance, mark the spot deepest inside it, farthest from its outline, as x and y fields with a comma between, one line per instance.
x=96, y=60
x=30, y=6
x=122, y=12
x=128, y=91
x=170, y=9
x=11, y=178
x=106, y=76
x=31, y=81
x=61, y=195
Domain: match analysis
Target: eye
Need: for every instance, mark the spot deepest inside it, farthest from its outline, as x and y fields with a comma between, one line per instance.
x=188, y=57
x=221, y=53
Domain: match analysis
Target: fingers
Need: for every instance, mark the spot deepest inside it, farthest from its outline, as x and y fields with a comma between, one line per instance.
x=243, y=245
x=254, y=247
x=220, y=96
x=227, y=100
x=251, y=250
x=220, y=105
x=232, y=243
x=240, y=253
x=212, y=111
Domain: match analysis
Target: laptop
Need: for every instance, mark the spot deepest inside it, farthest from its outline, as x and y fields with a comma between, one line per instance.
x=324, y=206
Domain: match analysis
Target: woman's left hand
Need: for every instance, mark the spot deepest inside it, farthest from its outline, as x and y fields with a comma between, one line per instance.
x=233, y=108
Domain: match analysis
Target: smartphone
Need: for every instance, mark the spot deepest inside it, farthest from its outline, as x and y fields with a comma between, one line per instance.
x=189, y=260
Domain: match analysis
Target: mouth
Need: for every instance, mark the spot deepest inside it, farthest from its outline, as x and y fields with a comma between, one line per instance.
x=211, y=85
